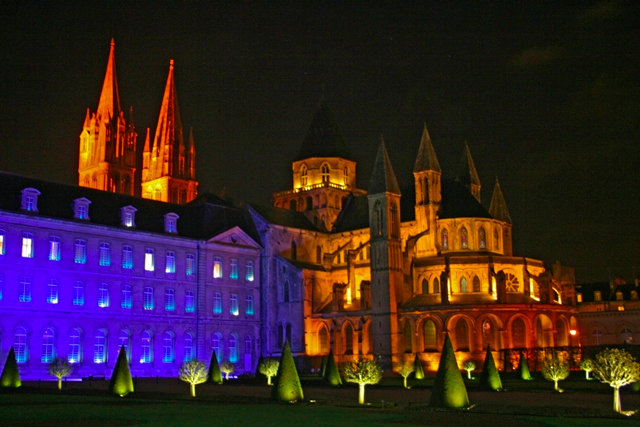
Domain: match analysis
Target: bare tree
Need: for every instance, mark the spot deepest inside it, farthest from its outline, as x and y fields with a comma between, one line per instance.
x=555, y=370
x=469, y=366
x=269, y=368
x=228, y=368
x=194, y=373
x=587, y=366
x=362, y=372
x=405, y=369
x=60, y=368
x=617, y=368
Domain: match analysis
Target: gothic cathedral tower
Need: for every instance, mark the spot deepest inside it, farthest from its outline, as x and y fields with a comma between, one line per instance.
x=386, y=257
x=107, y=158
x=168, y=166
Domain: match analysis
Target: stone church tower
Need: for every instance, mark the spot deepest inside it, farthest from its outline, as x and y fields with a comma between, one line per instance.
x=168, y=166
x=107, y=158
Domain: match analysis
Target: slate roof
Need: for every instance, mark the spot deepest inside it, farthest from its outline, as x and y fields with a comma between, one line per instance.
x=323, y=138
x=202, y=218
x=607, y=292
x=285, y=217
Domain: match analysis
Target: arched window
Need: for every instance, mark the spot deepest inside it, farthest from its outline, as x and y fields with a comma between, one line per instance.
x=476, y=284
x=124, y=338
x=462, y=335
x=518, y=334
x=463, y=285
x=377, y=218
x=323, y=340
x=167, y=347
x=48, y=348
x=20, y=345
x=395, y=227
x=408, y=347
x=425, y=286
x=348, y=339
x=489, y=335
x=496, y=239
x=188, y=347
x=429, y=335
x=75, y=346
x=436, y=286
x=482, y=238
x=99, y=346
x=146, y=355
x=215, y=345
x=562, y=339
x=464, y=238
x=324, y=170
x=233, y=348
x=444, y=238
x=303, y=175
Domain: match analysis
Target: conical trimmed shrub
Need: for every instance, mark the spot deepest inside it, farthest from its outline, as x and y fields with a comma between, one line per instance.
x=10, y=374
x=121, y=382
x=490, y=377
x=214, y=375
x=418, y=371
x=523, y=368
x=287, y=387
x=449, y=390
x=332, y=374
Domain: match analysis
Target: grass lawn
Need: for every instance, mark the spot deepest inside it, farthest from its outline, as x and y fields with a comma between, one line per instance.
x=166, y=402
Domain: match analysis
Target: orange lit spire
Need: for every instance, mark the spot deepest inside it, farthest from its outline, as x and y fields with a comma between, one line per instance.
x=168, y=138
x=109, y=104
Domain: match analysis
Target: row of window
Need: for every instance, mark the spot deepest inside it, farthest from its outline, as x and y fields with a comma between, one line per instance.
x=76, y=352
x=463, y=237
x=148, y=298
x=104, y=257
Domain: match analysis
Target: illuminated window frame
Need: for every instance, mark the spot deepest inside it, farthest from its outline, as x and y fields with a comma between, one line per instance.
x=24, y=290
x=217, y=267
x=190, y=264
x=125, y=296
x=104, y=254
x=80, y=251
x=99, y=347
x=128, y=216
x=81, y=208
x=233, y=306
x=189, y=301
x=169, y=299
x=249, y=272
x=2, y=242
x=54, y=248
x=27, y=245
x=75, y=346
x=103, y=295
x=149, y=260
x=78, y=293
x=217, y=303
x=21, y=345
x=233, y=269
x=188, y=347
x=127, y=257
x=48, y=346
x=52, y=291
x=29, y=199
x=249, y=310
x=167, y=347
x=146, y=346
x=171, y=223
x=170, y=264
x=147, y=299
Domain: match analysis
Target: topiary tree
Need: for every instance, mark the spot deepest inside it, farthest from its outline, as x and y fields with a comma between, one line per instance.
x=587, y=366
x=555, y=370
x=523, y=368
x=60, y=368
x=269, y=368
x=405, y=369
x=417, y=368
x=449, y=390
x=490, y=377
x=121, y=382
x=227, y=368
x=617, y=368
x=362, y=372
x=331, y=372
x=10, y=374
x=214, y=375
x=469, y=366
x=287, y=387
x=193, y=372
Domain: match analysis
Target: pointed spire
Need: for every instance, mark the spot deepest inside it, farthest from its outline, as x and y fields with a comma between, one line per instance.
x=383, y=179
x=191, y=155
x=426, y=159
x=147, y=142
x=498, y=207
x=109, y=104
x=468, y=174
x=323, y=138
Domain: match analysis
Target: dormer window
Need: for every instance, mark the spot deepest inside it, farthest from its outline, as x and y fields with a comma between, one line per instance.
x=171, y=222
x=30, y=199
x=128, y=216
x=81, y=208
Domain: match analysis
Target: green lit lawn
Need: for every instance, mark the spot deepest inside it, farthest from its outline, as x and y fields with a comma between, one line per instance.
x=166, y=403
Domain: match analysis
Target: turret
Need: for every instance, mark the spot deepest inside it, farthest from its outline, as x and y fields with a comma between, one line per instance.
x=427, y=178
x=468, y=175
x=498, y=210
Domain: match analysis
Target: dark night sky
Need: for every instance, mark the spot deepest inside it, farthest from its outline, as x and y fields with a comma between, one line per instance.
x=547, y=96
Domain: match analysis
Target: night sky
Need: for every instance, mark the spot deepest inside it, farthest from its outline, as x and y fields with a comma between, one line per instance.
x=547, y=97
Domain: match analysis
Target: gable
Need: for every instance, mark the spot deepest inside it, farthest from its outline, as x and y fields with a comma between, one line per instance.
x=236, y=237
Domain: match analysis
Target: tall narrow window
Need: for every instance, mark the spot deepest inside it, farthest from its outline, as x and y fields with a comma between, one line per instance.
x=444, y=238
x=78, y=292
x=24, y=290
x=127, y=257
x=233, y=308
x=48, y=350
x=395, y=226
x=1, y=286
x=324, y=170
x=99, y=346
x=80, y=256
x=2, y=242
x=75, y=346
x=217, y=303
x=149, y=262
x=188, y=347
x=170, y=265
x=169, y=299
x=52, y=291
x=103, y=295
x=233, y=273
x=147, y=300
x=303, y=175
x=124, y=341
x=249, y=305
x=27, y=245
x=20, y=346
x=54, y=248
x=190, y=264
x=146, y=355
x=233, y=349
x=425, y=286
x=167, y=347
x=105, y=254
x=125, y=297
x=217, y=267
x=464, y=238
x=249, y=272
x=463, y=285
x=378, y=218
x=319, y=254
x=476, y=284
x=429, y=335
x=482, y=238
x=436, y=286
x=189, y=302
x=171, y=222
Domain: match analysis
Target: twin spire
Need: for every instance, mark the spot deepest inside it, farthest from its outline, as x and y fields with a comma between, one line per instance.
x=109, y=104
